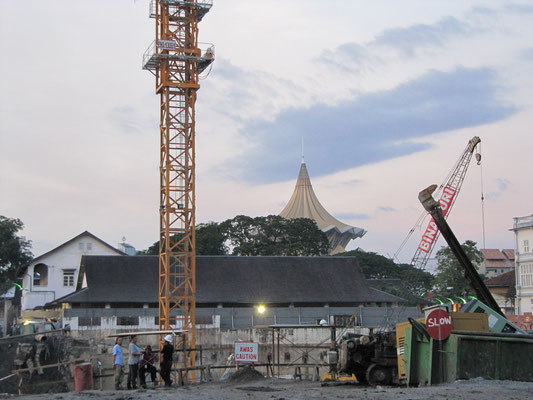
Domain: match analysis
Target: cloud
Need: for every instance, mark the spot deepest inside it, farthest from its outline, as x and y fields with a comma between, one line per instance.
x=230, y=85
x=408, y=40
x=520, y=9
x=373, y=127
x=502, y=186
x=348, y=57
x=354, y=57
x=386, y=209
x=126, y=119
x=345, y=216
x=527, y=54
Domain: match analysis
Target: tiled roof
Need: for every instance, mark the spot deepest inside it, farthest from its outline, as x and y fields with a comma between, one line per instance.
x=492, y=254
x=503, y=280
x=509, y=253
x=496, y=264
x=230, y=279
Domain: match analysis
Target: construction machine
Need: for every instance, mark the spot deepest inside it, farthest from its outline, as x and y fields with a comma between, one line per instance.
x=448, y=191
x=378, y=358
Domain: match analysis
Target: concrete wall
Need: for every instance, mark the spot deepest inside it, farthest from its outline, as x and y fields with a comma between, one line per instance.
x=242, y=318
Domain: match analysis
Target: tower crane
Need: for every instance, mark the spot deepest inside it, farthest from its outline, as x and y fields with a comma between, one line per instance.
x=448, y=192
x=176, y=59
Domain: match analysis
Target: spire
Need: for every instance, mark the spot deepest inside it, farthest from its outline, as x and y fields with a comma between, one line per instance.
x=303, y=177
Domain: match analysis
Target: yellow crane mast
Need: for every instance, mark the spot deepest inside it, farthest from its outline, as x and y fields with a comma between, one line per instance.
x=176, y=60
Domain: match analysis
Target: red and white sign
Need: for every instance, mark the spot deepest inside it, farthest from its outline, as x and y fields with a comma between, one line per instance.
x=439, y=324
x=430, y=233
x=246, y=352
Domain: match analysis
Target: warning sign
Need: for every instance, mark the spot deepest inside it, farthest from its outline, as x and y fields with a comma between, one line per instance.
x=439, y=324
x=246, y=352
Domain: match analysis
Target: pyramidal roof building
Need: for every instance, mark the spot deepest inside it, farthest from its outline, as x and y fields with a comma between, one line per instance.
x=305, y=204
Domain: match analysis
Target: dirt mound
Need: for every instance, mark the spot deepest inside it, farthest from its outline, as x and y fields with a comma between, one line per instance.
x=245, y=374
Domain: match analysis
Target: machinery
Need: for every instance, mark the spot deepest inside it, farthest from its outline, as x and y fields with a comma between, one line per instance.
x=449, y=190
x=377, y=358
x=371, y=358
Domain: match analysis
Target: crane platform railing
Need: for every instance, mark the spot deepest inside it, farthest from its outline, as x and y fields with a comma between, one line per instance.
x=203, y=6
x=154, y=54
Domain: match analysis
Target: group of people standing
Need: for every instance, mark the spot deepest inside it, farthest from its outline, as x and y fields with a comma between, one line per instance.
x=141, y=362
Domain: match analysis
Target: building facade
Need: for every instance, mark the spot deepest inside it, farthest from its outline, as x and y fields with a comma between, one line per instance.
x=55, y=273
x=503, y=289
x=496, y=262
x=523, y=229
x=121, y=293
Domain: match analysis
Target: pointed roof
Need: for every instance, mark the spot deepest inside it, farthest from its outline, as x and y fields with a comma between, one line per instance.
x=84, y=233
x=305, y=204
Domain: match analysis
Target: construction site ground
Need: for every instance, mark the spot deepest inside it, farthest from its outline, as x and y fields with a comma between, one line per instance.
x=290, y=389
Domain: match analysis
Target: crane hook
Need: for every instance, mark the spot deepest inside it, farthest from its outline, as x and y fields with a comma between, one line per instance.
x=478, y=158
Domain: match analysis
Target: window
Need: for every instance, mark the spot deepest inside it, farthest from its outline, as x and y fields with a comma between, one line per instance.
x=526, y=246
x=40, y=275
x=81, y=246
x=204, y=319
x=526, y=274
x=127, y=320
x=89, y=321
x=89, y=246
x=68, y=277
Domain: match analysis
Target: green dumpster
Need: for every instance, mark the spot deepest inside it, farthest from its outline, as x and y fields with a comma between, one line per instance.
x=466, y=355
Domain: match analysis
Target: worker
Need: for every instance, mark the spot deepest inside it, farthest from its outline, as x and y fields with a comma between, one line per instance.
x=118, y=363
x=166, y=360
x=323, y=322
x=133, y=362
x=147, y=365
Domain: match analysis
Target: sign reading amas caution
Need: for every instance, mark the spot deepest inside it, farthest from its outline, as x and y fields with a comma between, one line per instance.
x=246, y=352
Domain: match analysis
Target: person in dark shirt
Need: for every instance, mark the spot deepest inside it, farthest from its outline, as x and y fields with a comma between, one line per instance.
x=166, y=360
x=147, y=365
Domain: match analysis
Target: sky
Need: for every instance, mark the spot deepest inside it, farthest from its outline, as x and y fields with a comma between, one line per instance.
x=385, y=96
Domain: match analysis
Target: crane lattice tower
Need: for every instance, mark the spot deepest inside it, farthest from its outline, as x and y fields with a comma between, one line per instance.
x=176, y=60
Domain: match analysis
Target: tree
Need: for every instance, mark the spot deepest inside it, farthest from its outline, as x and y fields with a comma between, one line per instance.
x=450, y=279
x=260, y=236
x=274, y=236
x=402, y=280
x=209, y=241
x=15, y=252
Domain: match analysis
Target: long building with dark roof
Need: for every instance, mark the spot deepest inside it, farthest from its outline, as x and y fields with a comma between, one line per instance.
x=233, y=280
x=296, y=290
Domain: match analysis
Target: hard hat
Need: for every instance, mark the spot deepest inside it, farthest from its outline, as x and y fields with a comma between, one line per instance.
x=323, y=322
x=168, y=338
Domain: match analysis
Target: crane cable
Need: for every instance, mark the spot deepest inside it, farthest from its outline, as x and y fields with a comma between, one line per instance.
x=478, y=159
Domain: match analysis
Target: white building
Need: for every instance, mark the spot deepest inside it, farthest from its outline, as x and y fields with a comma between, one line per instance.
x=523, y=229
x=55, y=273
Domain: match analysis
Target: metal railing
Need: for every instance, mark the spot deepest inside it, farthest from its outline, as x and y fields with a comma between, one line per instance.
x=204, y=4
x=153, y=55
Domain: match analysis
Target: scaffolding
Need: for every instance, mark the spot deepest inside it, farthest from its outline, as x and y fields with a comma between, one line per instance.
x=176, y=60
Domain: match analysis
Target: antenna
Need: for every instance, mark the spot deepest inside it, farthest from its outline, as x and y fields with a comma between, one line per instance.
x=303, y=160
